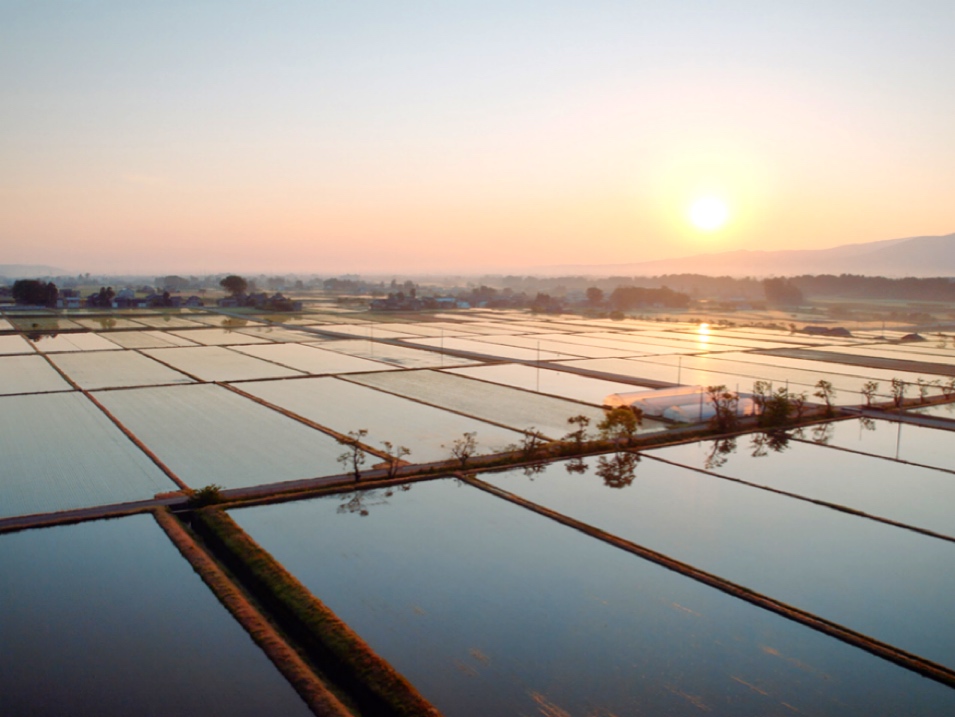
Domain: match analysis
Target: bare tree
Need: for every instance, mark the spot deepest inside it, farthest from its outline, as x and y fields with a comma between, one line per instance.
x=354, y=458
x=869, y=389
x=825, y=392
x=464, y=447
x=898, y=391
x=396, y=455
x=725, y=407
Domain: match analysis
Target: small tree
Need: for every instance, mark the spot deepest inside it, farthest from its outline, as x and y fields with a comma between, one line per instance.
x=762, y=390
x=825, y=392
x=579, y=435
x=798, y=402
x=464, y=447
x=235, y=285
x=869, y=389
x=725, y=406
x=595, y=296
x=777, y=409
x=532, y=441
x=354, y=458
x=620, y=424
x=898, y=391
x=948, y=388
x=396, y=455
x=923, y=387
x=207, y=495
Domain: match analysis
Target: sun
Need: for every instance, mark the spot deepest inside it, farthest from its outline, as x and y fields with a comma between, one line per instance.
x=708, y=213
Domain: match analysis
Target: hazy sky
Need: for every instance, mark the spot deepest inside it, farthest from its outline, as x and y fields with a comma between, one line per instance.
x=428, y=136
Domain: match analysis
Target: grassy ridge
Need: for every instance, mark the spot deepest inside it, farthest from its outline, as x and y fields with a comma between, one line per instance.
x=319, y=699
x=341, y=654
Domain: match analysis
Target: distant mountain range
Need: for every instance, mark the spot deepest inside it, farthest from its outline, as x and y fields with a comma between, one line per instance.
x=29, y=271
x=914, y=256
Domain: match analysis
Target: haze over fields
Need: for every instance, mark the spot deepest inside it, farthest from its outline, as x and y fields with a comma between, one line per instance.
x=428, y=137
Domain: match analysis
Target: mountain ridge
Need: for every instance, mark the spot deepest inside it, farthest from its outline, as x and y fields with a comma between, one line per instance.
x=922, y=256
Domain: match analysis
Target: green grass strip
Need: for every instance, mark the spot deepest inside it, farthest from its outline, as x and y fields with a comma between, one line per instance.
x=316, y=695
x=376, y=687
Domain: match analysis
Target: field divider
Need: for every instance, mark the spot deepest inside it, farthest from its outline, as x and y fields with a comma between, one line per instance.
x=815, y=501
x=336, y=650
x=306, y=683
x=920, y=665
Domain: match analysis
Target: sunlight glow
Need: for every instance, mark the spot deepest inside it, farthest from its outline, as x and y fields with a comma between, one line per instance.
x=709, y=213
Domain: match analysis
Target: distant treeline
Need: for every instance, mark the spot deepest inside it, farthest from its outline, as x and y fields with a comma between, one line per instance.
x=782, y=290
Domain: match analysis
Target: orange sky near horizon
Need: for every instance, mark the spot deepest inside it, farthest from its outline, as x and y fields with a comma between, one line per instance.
x=371, y=138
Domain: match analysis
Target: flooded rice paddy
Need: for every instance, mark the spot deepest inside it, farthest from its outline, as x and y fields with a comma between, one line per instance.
x=208, y=434
x=857, y=572
x=486, y=606
x=61, y=452
x=489, y=609
x=106, y=619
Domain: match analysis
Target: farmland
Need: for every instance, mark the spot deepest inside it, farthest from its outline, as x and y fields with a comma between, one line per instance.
x=418, y=476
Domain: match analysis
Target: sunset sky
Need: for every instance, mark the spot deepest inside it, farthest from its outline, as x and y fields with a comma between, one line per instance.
x=156, y=137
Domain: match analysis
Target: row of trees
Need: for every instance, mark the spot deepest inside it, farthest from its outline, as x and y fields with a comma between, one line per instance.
x=35, y=293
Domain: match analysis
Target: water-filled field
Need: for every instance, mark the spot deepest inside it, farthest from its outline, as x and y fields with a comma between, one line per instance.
x=544, y=380
x=218, y=337
x=403, y=356
x=904, y=441
x=14, y=344
x=490, y=350
x=168, y=321
x=60, y=452
x=147, y=339
x=871, y=577
x=492, y=610
x=29, y=374
x=209, y=434
x=943, y=410
x=73, y=342
x=218, y=363
x=550, y=347
x=344, y=407
x=917, y=496
x=109, y=323
x=92, y=370
x=312, y=359
x=107, y=619
x=490, y=402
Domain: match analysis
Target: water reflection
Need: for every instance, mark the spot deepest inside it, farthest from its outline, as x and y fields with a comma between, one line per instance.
x=821, y=433
x=577, y=465
x=763, y=443
x=37, y=336
x=359, y=502
x=720, y=451
x=618, y=471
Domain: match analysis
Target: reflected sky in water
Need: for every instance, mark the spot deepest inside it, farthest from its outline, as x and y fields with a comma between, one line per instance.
x=490, y=609
x=107, y=619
